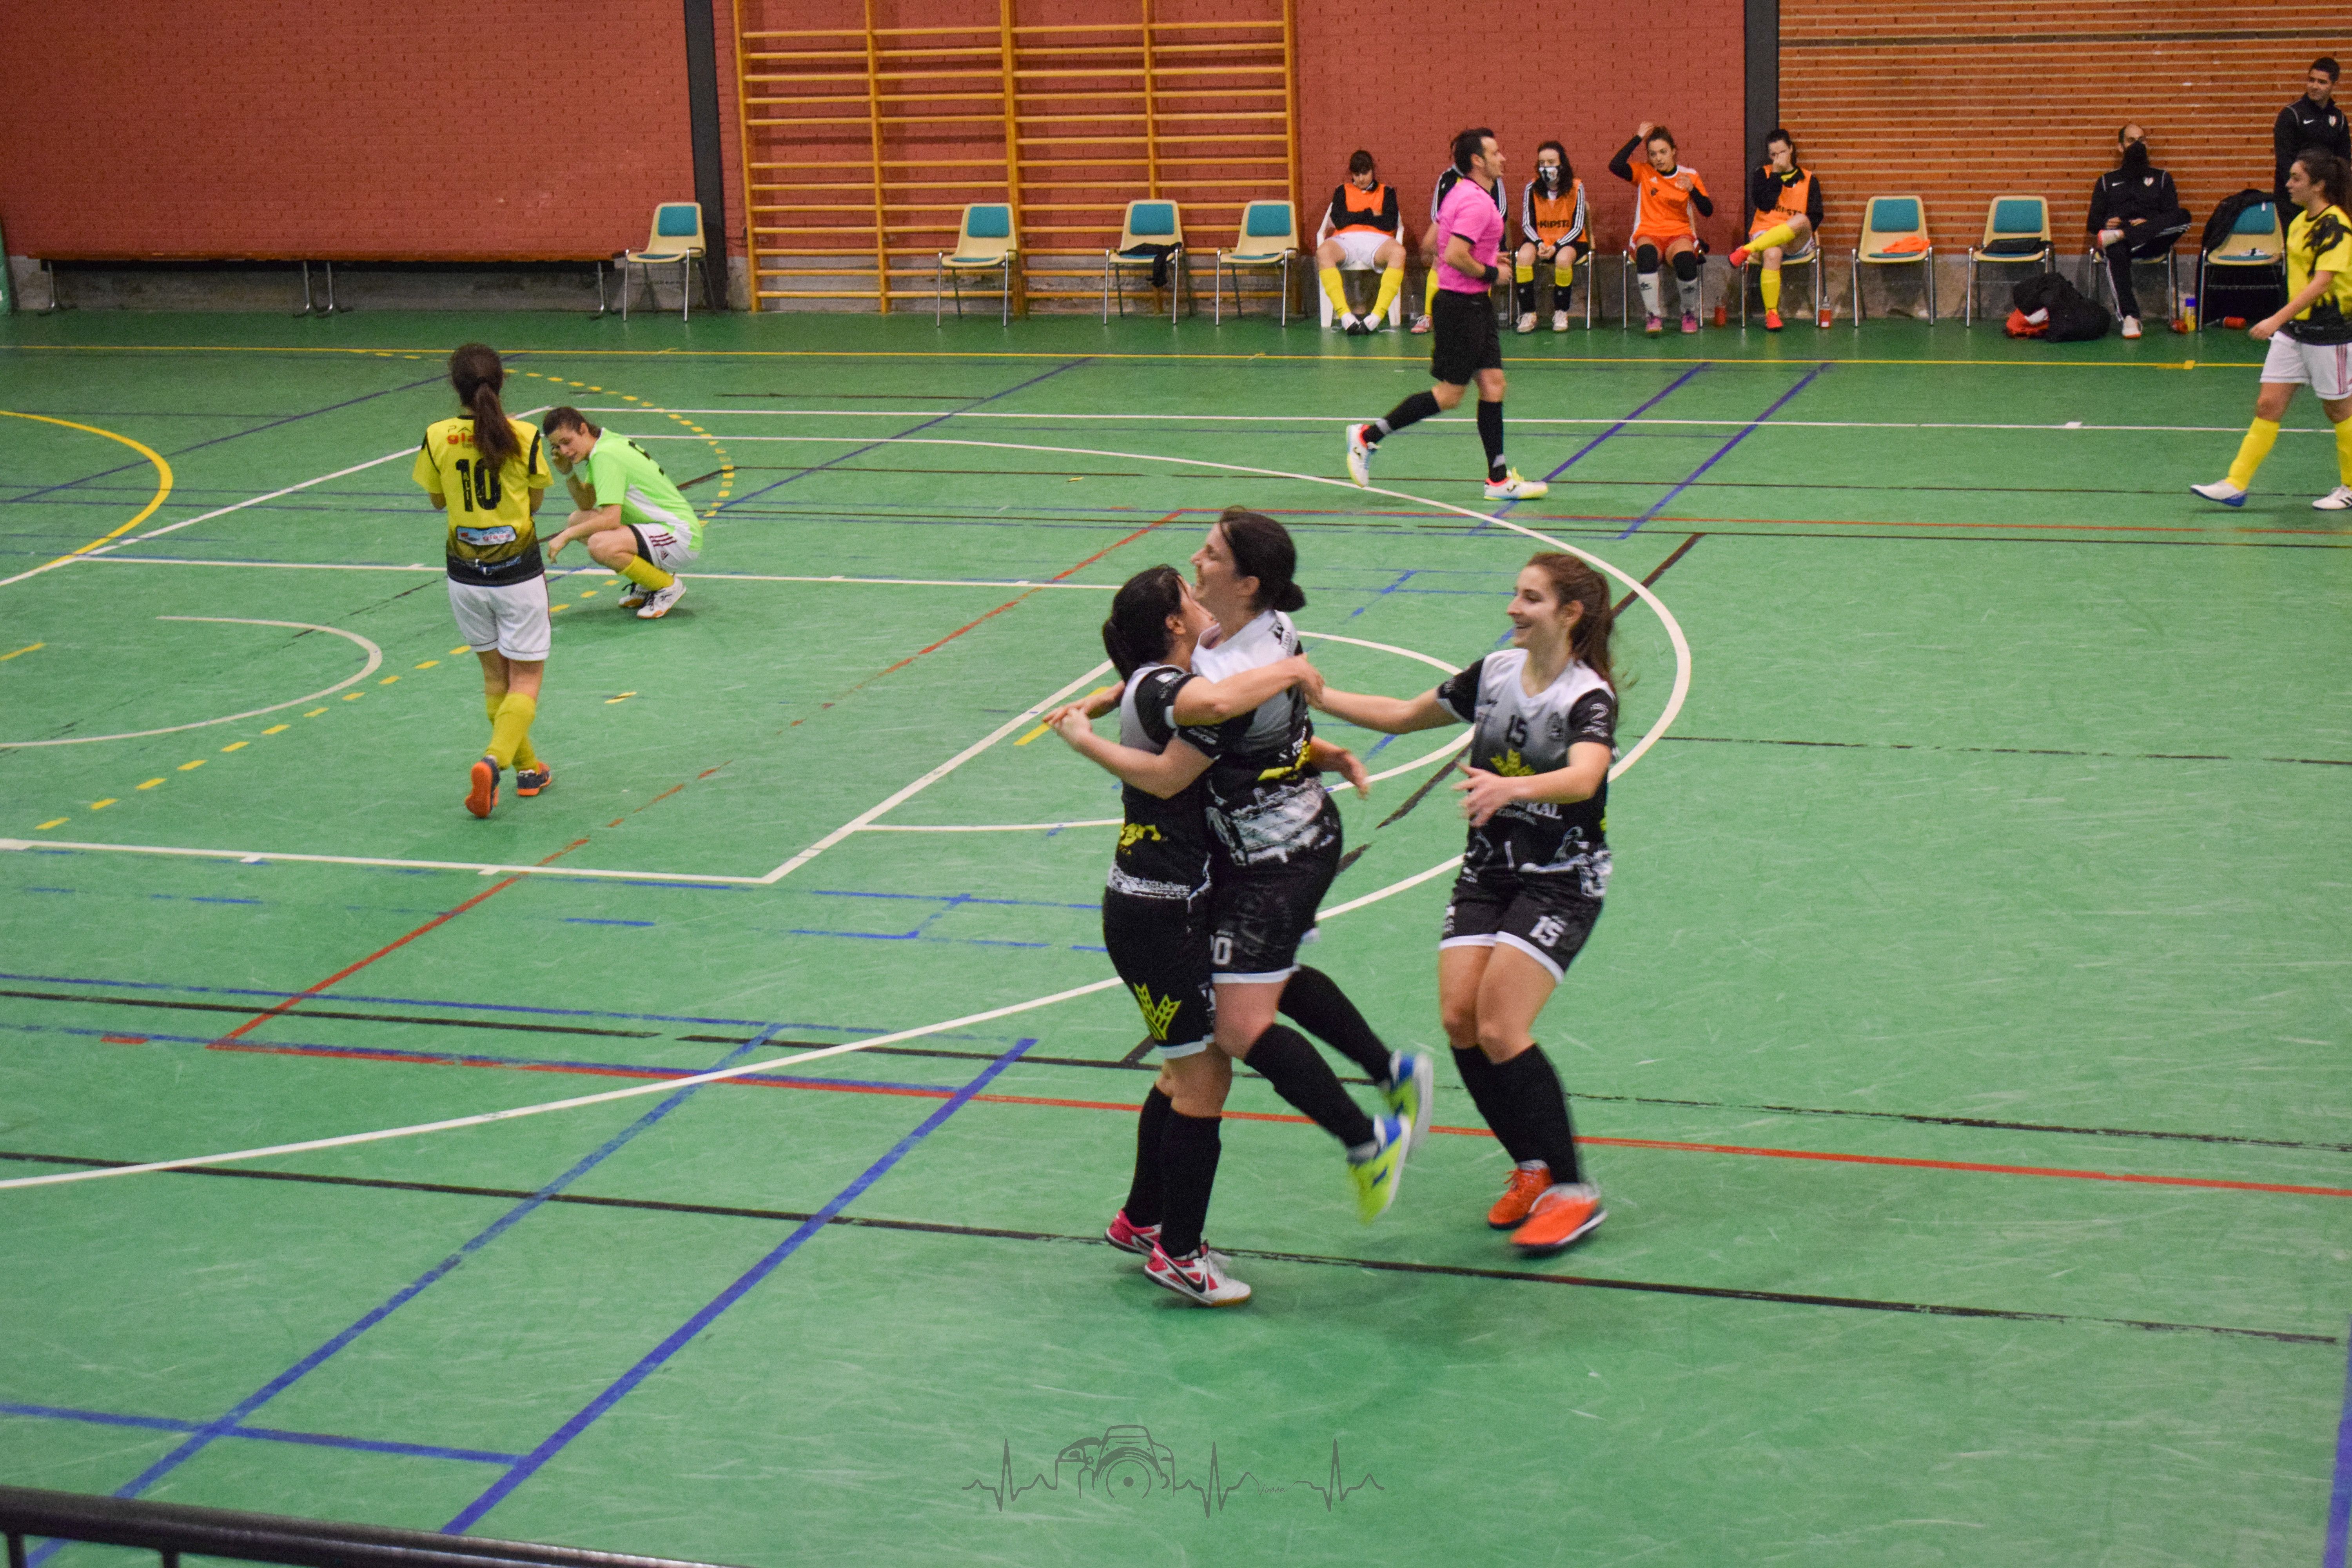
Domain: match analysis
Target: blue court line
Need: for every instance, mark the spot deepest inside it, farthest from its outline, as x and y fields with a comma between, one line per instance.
x=685, y=1333
x=262, y=1434
x=1725, y=450
x=951, y=898
x=204, y=1435
x=1383, y=593
x=926, y=425
x=1590, y=447
x=2339, y=1495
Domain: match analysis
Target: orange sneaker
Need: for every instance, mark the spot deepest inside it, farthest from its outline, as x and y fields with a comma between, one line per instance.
x=1739, y=259
x=1771, y=320
x=1566, y=1213
x=484, y=794
x=531, y=780
x=1527, y=1185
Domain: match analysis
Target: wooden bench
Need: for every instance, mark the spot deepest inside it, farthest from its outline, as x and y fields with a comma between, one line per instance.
x=327, y=260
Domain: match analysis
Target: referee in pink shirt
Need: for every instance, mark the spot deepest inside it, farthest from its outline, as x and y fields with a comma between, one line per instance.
x=1466, y=345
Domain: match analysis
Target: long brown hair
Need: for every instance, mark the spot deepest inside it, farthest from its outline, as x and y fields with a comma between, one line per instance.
x=1574, y=583
x=477, y=372
x=2328, y=172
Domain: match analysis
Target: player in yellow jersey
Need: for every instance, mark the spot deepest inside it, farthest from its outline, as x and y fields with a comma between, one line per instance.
x=489, y=473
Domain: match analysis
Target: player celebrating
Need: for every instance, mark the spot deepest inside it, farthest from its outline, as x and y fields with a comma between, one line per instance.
x=1784, y=203
x=633, y=519
x=2310, y=335
x=1469, y=243
x=490, y=474
x=1361, y=227
x=1533, y=876
x=1552, y=223
x=1666, y=194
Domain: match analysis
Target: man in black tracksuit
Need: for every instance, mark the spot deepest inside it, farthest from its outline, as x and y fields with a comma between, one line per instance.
x=2135, y=214
x=2311, y=121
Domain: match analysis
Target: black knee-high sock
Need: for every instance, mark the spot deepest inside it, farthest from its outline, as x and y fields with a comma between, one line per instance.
x=1487, y=1094
x=1525, y=292
x=1531, y=1086
x=1144, y=1194
x=1189, y=1154
x=1285, y=1060
x=1314, y=1002
x=1412, y=411
x=1490, y=431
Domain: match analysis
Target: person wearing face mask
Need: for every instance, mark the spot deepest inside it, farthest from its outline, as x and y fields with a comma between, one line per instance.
x=1784, y=203
x=2315, y=120
x=2135, y=216
x=1552, y=228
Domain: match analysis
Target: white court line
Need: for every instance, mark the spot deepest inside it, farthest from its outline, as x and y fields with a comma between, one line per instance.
x=1163, y=416
x=692, y=576
x=992, y=826
x=374, y=661
x=1667, y=717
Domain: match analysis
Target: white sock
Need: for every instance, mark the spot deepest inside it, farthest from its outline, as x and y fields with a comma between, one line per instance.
x=1650, y=293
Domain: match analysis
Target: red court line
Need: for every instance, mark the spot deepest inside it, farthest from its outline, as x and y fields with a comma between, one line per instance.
x=393, y=946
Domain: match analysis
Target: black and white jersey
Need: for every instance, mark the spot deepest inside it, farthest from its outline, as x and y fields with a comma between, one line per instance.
x=1163, y=846
x=1265, y=804
x=1516, y=735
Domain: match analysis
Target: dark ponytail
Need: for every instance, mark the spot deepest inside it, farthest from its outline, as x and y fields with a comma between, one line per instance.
x=2328, y=172
x=477, y=372
x=1574, y=583
x=1261, y=548
x=1136, y=632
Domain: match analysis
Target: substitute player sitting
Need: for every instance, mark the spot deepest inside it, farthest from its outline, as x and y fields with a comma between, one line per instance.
x=1784, y=206
x=1665, y=195
x=1361, y=228
x=1551, y=226
x=490, y=474
x=635, y=521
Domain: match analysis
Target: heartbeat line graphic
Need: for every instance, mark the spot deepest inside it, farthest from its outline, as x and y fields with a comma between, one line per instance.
x=1126, y=1465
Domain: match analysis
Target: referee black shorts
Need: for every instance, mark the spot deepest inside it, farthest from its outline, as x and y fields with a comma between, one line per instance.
x=1464, y=339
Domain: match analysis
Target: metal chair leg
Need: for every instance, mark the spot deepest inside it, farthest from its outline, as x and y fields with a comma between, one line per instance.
x=1007, y=318
x=685, y=287
x=1855, y=263
x=1931, y=288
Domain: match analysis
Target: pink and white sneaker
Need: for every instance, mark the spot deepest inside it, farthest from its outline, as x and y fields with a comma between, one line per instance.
x=1139, y=1239
x=1199, y=1277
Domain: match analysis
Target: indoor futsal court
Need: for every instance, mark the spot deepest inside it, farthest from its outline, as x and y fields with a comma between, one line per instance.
x=1961, y=1053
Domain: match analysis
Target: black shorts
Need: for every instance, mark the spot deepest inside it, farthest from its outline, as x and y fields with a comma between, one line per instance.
x=1547, y=917
x=1463, y=339
x=1260, y=915
x=1160, y=949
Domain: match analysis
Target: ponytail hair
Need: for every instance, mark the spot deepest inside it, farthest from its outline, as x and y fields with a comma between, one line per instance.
x=1575, y=583
x=1261, y=548
x=1136, y=632
x=2329, y=172
x=476, y=371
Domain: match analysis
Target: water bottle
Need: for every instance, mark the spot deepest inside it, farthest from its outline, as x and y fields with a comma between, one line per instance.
x=2188, y=312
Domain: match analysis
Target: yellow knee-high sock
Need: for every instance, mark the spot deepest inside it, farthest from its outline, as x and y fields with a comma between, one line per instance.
x=511, y=731
x=524, y=756
x=1336, y=288
x=1563, y=272
x=1784, y=237
x=1771, y=283
x=1429, y=294
x=645, y=575
x=2260, y=435
x=2344, y=451
x=1523, y=271
x=1391, y=285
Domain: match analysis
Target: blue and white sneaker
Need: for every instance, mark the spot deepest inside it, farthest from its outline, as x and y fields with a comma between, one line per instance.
x=2220, y=491
x=1410, y=1089
x=1378, y=1174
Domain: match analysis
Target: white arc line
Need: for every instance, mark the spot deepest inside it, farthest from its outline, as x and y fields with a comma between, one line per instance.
x=1673, y=706
x=374, y=662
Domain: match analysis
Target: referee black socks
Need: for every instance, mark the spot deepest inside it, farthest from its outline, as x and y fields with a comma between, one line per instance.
x=1285, y=1059
x=1144, y=1200
x=1189, y=1154
x=1490, y=432
x=1314, y=1002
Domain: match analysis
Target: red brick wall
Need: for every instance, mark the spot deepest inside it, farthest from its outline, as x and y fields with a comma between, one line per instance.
x=1401, y=77
x=154, y=127
x=1958, y=100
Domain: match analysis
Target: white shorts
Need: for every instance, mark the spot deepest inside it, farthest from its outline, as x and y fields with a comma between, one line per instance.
x=661, y=545
x=1362, y=247
x=2325, y=368
x=512, y=619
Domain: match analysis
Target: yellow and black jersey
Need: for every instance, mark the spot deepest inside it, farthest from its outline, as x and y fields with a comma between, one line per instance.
x=491, y=541
x=2321, y=242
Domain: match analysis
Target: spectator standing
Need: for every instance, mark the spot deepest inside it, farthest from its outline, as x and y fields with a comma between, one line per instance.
x=2135, y=216
x=2312, y=121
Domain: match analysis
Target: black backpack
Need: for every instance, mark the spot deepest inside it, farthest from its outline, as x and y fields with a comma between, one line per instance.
x=2072, y=318
x=2225, y=218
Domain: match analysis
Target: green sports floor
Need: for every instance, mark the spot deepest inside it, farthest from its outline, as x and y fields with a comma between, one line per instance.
x=1963, y=1057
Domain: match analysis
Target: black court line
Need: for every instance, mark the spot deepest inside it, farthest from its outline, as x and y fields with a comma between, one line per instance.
x=246, y=1011
x=2003, y=751
x=1324, y=1261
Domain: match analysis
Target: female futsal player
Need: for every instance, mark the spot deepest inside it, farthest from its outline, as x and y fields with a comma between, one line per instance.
x=1667, y=192
x=1532, y=877
x=489, y=473
x=1155, y=917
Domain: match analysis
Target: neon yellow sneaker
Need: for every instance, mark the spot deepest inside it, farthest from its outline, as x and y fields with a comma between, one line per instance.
x=1376, y=1175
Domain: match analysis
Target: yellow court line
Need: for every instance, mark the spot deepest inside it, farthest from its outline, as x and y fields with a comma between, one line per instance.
x=1067, y=352
x=29, y=648
x=162, y=485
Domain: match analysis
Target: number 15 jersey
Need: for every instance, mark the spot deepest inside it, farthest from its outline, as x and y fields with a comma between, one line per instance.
x=491, y=541
x=1515, y=735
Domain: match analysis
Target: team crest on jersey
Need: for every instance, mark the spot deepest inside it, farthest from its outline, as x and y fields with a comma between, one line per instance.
x=1512, y=765
x=1134, y=833
x=1157, y=1016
